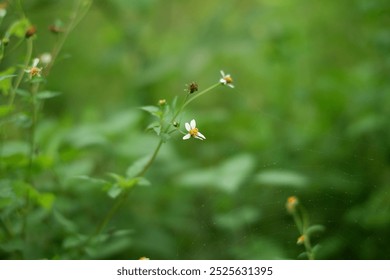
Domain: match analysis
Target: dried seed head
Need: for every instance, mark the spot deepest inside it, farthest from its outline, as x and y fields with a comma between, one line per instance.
x=191, y=87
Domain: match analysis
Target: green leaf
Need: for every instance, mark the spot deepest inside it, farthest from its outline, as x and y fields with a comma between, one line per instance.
x=23, y=92
x=165, y=137
x=137, y=167
x=282, y=178
x=228, y=176
x=3, y=77
x=5, y=110
x=46, y=200
x=155, y=126
x=153, y=110
x=74, y=241
x=14, y=148
x=114, y=191
x=315, y=229
x=6, y=81
x=143, y=181
x=47, y=94
x=67, y=224
x=124, y=183
x=18, y=28
x=93, y=181
x=303, y=255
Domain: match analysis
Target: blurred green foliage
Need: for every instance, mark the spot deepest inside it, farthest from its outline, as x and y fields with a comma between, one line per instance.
x=309, y=116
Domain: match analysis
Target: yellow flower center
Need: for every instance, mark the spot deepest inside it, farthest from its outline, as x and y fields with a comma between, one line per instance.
x=194, y=132
x=34, y=71
x=228, y=79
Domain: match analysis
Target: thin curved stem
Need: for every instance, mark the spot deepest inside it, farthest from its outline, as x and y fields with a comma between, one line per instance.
x=122, y=198
x=77, y=16
x=198, y=95
x=21, y=72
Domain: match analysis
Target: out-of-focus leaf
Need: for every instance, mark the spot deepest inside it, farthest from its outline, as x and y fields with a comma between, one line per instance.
x=142, y=181
x=74, y=241
x=5, y=80
x=12, y=148
x=365, y=125
x=5, y=110
x=165, y=137
x=137, y=167
x=94, y=181
x=153, y=110
x=282, y=178
x=47, y=94
x=238, y=218
x=68, y=225
x=228, y=176
x=46, y=200
x=114, y=191
x=18, y=28
x=23, y=92
x=124, y=183
x=155, y=126
x=86, y=135
x=315, y=229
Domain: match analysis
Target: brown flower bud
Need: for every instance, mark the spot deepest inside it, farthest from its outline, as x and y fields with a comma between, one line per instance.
x=30, y=31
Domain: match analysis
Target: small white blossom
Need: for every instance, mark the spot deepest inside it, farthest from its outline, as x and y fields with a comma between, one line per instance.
x=226, y=80
x=193, y=131
x=34, y=70
x=45, y=58
x=3, y=12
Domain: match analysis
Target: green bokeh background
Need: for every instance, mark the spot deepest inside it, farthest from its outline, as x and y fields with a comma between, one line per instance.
x=309, y=116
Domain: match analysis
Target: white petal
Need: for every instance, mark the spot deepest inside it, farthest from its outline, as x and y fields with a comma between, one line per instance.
x=230, y=85
x=187, y=136
x=188, y=127
x=200, y=136
x=222, y=73
x=222, y=81
x=193, y=124
x=35, y=62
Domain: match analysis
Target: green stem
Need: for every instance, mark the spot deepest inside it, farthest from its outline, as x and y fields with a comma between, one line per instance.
x=122, y=198
x=21, y=72
x=197, y=95
x=77, y=16
x=34, y=118
x=302, y=222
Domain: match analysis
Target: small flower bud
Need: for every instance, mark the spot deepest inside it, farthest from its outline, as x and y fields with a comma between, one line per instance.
x=301, y=240
x=291, y=204
x=30, y=31
x=144, y=258
x=162, y=102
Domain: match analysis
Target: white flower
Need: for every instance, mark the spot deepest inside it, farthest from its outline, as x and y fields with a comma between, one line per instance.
x=45, y=58
x=34, y=70
x=226, y=79
x=193, y=131
x=3, y=12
